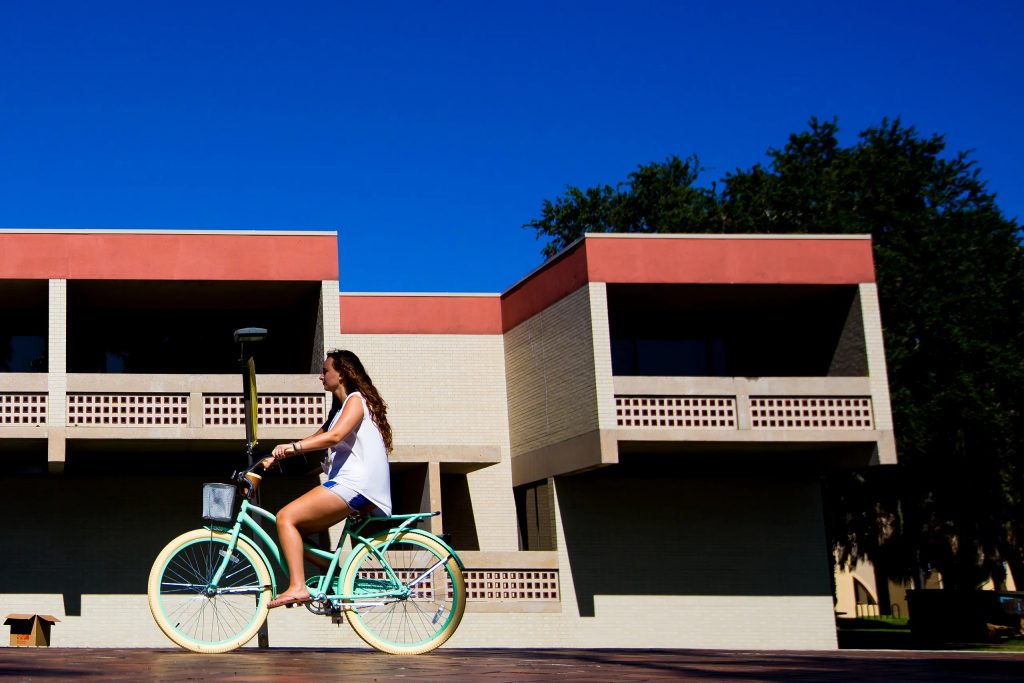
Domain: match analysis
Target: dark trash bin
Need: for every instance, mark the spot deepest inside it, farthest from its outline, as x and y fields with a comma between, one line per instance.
x=951, y=616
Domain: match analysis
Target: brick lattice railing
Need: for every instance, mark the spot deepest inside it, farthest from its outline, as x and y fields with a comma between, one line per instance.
x=274, y=409
x=488, y=585
x=702, y=412
x=112, y=410
x=810, y=412
x=765, y=412
x=22, y=409
x=506, y=585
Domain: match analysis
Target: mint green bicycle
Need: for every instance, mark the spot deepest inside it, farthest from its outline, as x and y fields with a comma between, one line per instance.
x=402, y=589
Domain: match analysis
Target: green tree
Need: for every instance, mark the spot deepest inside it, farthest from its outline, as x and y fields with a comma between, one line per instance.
x=656, y=198
x=950, y=271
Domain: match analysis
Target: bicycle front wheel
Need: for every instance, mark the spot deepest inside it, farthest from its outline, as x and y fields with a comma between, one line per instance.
x=409, y=625
x=192, y=617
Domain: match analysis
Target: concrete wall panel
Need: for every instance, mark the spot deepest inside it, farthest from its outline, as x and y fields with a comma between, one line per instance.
x=449, y=390
x=552, y=386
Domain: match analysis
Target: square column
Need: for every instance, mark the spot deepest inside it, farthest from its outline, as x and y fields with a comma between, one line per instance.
x=57, y=378
x=329, y=319
x=877, y=372
x=433, y=496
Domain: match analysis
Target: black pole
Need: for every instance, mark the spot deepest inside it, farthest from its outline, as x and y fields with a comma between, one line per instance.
x=251, y=336
x=248, y=389
x=247, y=337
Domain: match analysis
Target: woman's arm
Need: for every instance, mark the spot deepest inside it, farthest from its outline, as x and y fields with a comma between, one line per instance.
x=270, y=459
x=350, y=418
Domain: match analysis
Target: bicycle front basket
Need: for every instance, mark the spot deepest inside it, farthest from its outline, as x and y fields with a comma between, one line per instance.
x=219, y=503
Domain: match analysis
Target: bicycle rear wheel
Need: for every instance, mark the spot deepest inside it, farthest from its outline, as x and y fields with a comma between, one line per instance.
x=187, y=614
x=420, y=622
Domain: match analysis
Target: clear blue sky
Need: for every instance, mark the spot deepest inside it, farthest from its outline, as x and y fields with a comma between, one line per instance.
x=427, y=133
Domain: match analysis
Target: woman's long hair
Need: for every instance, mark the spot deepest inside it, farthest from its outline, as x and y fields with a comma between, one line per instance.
x=353, y=374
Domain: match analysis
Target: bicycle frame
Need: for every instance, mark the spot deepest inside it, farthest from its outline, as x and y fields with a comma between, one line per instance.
x=247, y=518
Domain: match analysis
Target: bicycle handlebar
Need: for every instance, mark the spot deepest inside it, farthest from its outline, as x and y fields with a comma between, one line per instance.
x=240, y=478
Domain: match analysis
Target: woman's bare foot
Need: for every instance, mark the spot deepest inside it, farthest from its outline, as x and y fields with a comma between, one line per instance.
x=289, y=599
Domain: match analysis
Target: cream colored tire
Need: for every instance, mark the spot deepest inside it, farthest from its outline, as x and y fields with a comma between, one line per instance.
x=208, y=623
x=420, y=623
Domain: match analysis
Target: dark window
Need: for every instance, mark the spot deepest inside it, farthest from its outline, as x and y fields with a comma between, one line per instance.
x=458, y=518
x=23, y=325
x=23, y=353
x=187, y=327
x=736, y=330
x=535, y=514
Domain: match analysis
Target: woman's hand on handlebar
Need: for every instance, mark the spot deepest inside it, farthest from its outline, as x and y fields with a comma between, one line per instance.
x=280, y=452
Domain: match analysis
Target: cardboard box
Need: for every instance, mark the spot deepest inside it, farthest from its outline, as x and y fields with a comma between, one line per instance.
x=30, y=630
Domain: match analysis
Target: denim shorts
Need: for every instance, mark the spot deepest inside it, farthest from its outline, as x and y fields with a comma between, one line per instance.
x=355, y=500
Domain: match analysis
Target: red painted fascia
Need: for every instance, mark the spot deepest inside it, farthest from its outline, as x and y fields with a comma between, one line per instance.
x=724, y=260
x=168, y=256
x=420, y=314
x=557, y=278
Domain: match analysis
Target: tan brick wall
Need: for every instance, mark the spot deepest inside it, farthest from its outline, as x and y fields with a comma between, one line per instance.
x=745, y=622
x=494, y=508
x=878, y=372
x=604, y=382
x=330, y=318
x=449, y=390
x=550, y=369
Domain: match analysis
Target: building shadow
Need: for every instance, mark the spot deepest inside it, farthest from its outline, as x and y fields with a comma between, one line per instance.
x=101, y=534
x=629, y=532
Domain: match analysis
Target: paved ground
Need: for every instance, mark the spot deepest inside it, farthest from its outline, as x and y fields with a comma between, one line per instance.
x=282, y=664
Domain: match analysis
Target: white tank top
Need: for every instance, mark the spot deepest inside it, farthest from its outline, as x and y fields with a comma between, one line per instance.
x=360, y=460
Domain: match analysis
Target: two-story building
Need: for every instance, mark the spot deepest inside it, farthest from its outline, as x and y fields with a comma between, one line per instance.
x=626, y=446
